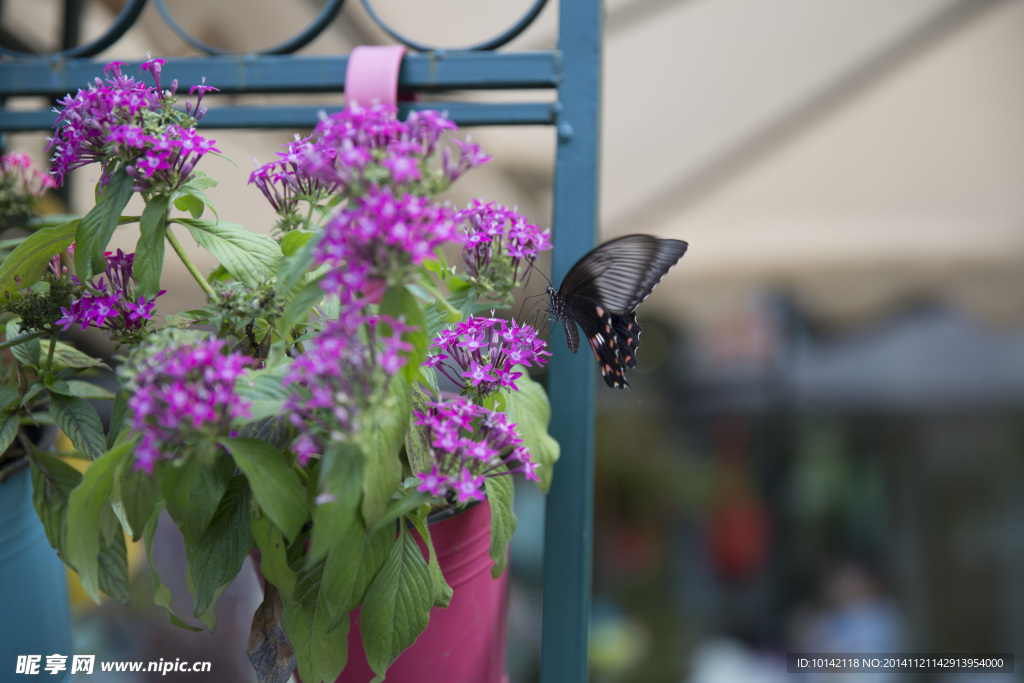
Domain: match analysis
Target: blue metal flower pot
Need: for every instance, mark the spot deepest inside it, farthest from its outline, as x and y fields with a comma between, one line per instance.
x=36, y=619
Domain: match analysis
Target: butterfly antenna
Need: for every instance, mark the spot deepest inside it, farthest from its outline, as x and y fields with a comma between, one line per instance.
x=532, y=296
x=547, y=275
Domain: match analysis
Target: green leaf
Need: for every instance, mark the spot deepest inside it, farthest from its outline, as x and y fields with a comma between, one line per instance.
x=321, y=654
x=79, y=420
x=417, y=442
x=75, y=387
x=275, y=486
x=216, y=557
x=26, y=353
x=9, y=396
x=200, y=181
x=503, y=520
x=295, y=267
x=67, y=356
x=208, y=618
x=118, y=413
x=339, y=483
x=30, y=259
x=161, y=593
x=442, y=591
x=291, y=242
x=34, y=390
x=97, y=227
x=188, y=201
x=380, y=439
x=250, y=258
x=113, y=558
x=135, y=495
x=192, y=491
x=397, y=605
x=298, y=308
x=399, y=508
x=400, y=304
x=444, y=312
x=273, y=555
x=530, y=410
x=149, y=251
x=85, y=509
x=53, y=480
x=265, y=392
x=351, y=566
x=190, y=196
x=8, y=430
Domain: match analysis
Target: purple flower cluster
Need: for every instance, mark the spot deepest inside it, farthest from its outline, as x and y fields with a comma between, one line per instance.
x=287, y=179
x=378, y=236
x=500, y=245
x=184, y=394
x=112, y=304
x=468, y=444
x=479, y=354
x=126, y=120
x=358, y=147
x=337, y=374
x=356, y=141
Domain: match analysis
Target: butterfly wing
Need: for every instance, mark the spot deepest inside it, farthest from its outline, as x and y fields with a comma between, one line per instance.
x=601, y=292
x=621, y=273
x=614, y=339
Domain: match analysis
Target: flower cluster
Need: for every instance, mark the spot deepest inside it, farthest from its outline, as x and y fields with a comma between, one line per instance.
x=286, y=180
x=378, y=236
x=184, y=395
x=128, y=121
x=500, y=246
x=360, y=145
x=358, y=148
x=21, y=185
x=337, y=374
x=468, y=444
x=480, y=354
x=111, y=302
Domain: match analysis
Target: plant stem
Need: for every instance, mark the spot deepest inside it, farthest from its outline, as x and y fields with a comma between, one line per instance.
x=49, y=353
x=176, y=245
x=301, y=472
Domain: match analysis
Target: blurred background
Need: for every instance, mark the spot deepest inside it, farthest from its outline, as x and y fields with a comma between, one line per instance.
x=823, y=449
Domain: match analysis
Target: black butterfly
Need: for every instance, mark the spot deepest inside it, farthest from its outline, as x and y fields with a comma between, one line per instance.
x=601, y=292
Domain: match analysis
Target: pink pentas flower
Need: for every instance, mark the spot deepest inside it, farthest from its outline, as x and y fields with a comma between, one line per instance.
x=181, y=395
x=500, y=246
x=357, y=147
x=479, y=354
x=433, y=482
x=338, y=374
x=111, y=302
x=382, y=234
x=403, y=168
x=467, y=445
x=126, y=121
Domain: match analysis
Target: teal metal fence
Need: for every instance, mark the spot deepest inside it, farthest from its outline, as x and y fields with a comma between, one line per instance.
x=572, y=71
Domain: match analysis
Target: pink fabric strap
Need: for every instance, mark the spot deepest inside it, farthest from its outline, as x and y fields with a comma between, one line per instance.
x=372, y=75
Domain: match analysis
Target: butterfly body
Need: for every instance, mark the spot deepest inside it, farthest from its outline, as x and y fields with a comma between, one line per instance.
x=600, y=294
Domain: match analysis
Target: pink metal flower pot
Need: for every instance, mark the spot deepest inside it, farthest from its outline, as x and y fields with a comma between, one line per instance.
x=464, y=643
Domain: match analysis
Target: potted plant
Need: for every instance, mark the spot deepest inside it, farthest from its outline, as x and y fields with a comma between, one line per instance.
x=342, y=383
x=28, y=566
